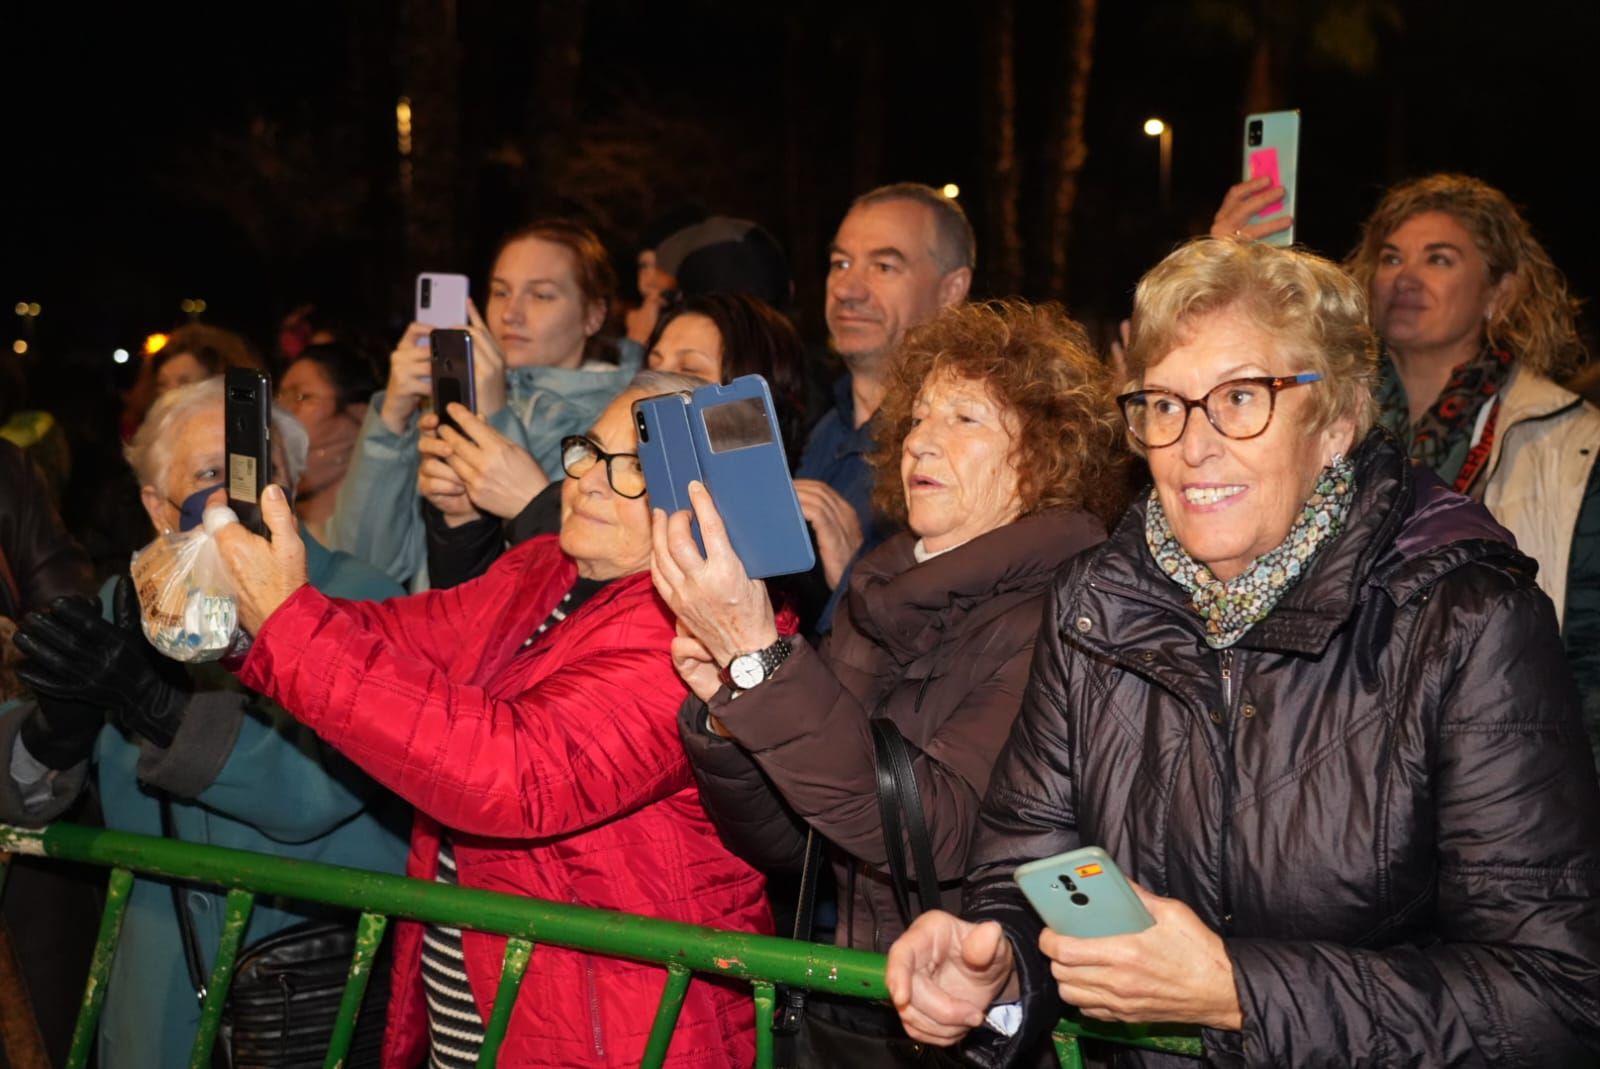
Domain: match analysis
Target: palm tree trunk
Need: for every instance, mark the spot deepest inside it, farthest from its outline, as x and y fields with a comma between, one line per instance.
x=1073, y=151
x=1004, y=253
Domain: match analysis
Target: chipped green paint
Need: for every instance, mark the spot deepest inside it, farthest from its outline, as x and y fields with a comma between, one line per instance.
x=766, y=1002
x=1068, y=1051
x=21, y=840
x=369, y=937
x=1173, y=1039
x=515, y=963
x=655, y=1049
x=118, y=889
x=235, y=919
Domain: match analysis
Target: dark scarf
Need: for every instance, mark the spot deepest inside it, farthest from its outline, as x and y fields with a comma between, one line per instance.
x=1442, y=438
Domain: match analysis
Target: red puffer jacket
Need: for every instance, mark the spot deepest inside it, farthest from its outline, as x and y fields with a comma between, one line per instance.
x=557, y=769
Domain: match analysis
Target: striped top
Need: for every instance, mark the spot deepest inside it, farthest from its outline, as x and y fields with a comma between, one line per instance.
x=455, y=1028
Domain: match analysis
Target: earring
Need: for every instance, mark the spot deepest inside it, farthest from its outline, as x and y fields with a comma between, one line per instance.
x=1338, y=460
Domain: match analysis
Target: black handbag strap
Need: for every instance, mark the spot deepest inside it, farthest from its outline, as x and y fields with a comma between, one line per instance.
x=806, y=902
x=897, y=795
x=191, y=941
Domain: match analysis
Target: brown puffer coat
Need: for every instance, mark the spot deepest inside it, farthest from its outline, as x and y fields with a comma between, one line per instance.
x=942, y=648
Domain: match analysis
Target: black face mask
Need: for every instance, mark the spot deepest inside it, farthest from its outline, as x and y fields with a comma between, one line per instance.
x=192, y=512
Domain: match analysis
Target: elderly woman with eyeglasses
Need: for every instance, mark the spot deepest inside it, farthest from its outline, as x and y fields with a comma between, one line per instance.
x=530, y=716
x=1313, y=704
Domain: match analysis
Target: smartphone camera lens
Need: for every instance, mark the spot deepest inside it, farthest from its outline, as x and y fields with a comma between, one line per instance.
x=644, y=433
x=426, y=296
x=1066, y=881
x=1255, y=133
x=1079, y=899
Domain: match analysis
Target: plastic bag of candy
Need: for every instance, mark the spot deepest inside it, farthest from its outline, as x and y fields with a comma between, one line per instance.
x=186, y=598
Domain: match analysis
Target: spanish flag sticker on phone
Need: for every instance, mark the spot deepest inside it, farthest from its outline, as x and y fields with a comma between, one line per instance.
x=1088, y=870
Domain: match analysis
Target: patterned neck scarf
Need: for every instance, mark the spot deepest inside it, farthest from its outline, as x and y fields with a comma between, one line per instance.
x=1442, y=438
x=1231, y=608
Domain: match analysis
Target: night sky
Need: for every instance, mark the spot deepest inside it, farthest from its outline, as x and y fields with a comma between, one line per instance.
x=134, y=185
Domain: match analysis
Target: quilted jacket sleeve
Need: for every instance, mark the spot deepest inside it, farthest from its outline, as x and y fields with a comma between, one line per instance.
x=1514, y=976
x=1028, y=813
x=593, y=740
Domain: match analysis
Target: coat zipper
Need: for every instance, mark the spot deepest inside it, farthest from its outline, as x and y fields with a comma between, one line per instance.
x=1224, y=899
x=596, y=1030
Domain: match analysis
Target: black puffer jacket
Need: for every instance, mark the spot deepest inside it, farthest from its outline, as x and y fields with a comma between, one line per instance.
x=1381, y=797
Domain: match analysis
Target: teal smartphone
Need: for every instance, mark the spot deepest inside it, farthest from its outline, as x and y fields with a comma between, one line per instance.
x=1272, y=150
x=1083, y=894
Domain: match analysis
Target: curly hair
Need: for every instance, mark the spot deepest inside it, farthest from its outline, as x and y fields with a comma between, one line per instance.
x=1038, y=364
x=1311, y=308
x=1538, y=325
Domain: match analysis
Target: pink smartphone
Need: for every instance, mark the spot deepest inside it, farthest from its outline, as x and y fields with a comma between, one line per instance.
x=441, y=299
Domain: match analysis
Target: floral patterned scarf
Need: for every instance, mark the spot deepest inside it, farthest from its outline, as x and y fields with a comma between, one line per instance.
x=1231, y=608
x=1442, y=438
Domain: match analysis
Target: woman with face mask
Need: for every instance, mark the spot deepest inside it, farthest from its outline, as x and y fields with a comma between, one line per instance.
x=235, y=769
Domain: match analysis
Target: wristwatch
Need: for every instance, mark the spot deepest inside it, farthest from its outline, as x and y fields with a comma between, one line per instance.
x=752, y=669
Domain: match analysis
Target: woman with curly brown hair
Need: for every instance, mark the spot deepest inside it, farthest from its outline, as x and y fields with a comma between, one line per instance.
x=1477, y=327
x=999, y=450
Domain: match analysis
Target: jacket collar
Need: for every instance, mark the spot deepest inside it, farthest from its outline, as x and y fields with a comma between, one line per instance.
x=901, y=604
x=1405, y=530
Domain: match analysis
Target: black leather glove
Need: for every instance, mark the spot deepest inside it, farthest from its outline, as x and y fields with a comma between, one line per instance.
x=60, y=734
x=76, y=656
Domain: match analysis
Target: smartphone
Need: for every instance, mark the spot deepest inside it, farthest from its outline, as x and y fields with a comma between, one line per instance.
x=441, y=299
x=452, y=370
x=247, y=436
x=727, y=437
x=1082, y=893
x=1272, y=150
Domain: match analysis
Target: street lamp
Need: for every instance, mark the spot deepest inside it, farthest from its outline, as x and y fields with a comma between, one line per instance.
x=1163, y=131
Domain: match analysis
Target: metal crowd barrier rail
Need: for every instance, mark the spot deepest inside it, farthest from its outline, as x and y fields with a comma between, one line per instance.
x=684, y=949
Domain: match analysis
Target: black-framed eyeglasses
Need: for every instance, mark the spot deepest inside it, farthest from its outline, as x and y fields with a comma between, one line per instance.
x=1238, y=408
x=579, y=454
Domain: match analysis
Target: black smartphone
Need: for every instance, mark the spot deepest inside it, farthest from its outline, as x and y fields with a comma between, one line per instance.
x=248, y=437
x=452, y=372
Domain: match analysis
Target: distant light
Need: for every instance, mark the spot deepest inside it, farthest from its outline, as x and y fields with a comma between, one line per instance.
x=199, y=306
x=1155, y=127
x=19, y=346
x=33, y=308
x=154, y=344
x=120, y=356
x=22, y=308
x=402, y=111
x=951, y=190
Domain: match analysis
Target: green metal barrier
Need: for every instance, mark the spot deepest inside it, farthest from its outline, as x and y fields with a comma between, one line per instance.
x=684, y=949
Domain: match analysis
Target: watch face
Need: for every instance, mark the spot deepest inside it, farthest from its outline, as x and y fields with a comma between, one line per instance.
x=746, y=671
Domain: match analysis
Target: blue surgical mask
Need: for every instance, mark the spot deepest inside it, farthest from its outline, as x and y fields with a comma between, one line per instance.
x=193, y=509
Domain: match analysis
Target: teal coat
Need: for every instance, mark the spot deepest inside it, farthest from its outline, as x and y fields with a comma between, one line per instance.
x=242, y=774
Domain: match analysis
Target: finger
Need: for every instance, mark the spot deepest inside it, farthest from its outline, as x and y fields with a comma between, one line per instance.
x=79, y=612
x=663, y=566
x=944, y=1013
x=925, y=1029
x=279, y=517
x=681, y=544
x=476, y=427
x=429, y=422
x=460, y=444
x=432, y=446
x=689, y=652
x=981, y=947
x=45, y=637
x=1257, y=231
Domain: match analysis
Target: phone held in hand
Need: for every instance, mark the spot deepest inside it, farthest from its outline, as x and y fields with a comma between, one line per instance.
x=727, y=437
x=248, y=442
x=1082, y=893
x=451, y=367
x=441, y=299
x=1272, y=150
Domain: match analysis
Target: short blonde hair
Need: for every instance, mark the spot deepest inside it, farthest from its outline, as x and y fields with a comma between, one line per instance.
x=1538, y=323
x=1316, y=312
x=150, y=451
x=1039, y=366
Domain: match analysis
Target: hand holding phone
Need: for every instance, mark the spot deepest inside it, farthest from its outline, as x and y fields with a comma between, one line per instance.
x=727, y=438
x=451, y=367
x=1272, y=152
x=247, y=410
x=1082, y=893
